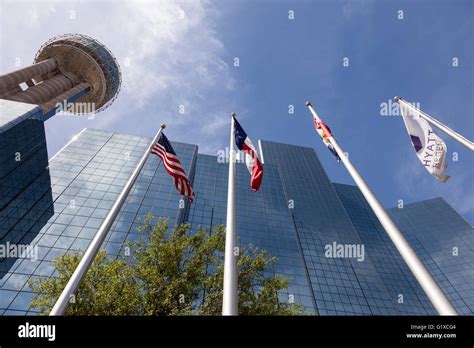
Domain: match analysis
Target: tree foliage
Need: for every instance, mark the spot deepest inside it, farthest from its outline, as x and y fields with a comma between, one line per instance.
x=168, y=272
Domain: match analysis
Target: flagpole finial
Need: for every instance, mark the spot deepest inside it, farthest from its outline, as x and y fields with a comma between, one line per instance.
x=397, y=98
x=233, y=114
x=163, y=126
x=308, y=103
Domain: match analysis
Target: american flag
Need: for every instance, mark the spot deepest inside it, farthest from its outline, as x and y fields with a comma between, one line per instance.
x=165, y=151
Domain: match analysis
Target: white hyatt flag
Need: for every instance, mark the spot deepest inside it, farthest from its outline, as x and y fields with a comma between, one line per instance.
x=430, y=148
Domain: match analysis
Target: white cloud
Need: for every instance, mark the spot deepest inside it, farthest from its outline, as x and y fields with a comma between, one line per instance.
x=169, y=52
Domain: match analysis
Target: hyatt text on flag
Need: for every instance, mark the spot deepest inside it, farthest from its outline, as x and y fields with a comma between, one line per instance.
x=429, y=147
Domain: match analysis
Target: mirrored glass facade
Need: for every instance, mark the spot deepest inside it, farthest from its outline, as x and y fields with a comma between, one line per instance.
x=296, y=216
x=341, y=285
x=445, y=243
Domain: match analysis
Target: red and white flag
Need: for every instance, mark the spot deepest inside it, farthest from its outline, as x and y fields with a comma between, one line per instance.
x=173, y=166
x=325, y=133
x=252, y=161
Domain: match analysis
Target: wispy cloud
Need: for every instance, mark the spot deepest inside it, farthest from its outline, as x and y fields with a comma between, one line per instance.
x=170, y=56
x=351, y=8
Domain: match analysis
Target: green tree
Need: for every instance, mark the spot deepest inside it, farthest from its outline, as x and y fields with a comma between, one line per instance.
x=168, y=272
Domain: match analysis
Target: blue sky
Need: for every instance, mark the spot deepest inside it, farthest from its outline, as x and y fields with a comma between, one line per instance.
x=169, y=59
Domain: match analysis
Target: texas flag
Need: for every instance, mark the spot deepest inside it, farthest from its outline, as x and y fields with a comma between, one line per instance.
x=252, y=161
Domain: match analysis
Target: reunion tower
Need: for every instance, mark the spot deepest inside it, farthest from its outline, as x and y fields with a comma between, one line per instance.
x=73, y=73
x=70, y=69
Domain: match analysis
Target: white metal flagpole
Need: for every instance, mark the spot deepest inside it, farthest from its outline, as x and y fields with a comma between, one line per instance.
x=91, y=252
x=456, y=136
x=229, y=302
x=427, y=282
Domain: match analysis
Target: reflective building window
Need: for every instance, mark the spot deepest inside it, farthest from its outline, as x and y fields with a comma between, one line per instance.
x=295, y=216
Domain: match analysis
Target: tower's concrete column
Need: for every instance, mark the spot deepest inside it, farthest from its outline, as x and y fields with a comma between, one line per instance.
x=65, y=96
x=14, y=78
x=46, y=90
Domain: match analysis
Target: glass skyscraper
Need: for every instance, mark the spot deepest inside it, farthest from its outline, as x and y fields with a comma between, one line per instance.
x=296, y=216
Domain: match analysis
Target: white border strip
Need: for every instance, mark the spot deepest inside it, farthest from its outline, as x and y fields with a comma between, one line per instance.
x=261, y=151
x=74, y=138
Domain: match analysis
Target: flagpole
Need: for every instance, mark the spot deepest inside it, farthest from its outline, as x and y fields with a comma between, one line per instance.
x=456, y=136
x=429, y=285
x=229, y=302
x=93, y=248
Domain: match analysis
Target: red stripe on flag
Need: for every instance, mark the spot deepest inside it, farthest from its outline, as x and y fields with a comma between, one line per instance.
x=174, y=168
x=257, y=168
